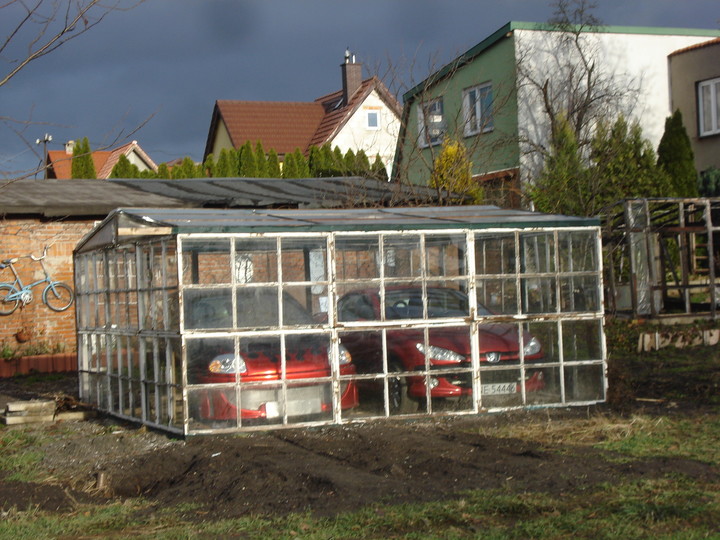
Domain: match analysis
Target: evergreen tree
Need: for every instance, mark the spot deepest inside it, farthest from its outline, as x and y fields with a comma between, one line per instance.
x=163, y=171
x=303, y=169
x=289, y=166
x=124, y=169
x=329, y=161
x=209, y=166
x=187, y=169
x=350, y=166
x=362, y=163
x=316, y=162
x=621, y=164
x=273, y=165
x=675, y=157
x=248, y=164
x=261, y=161
x=225, y=166
x=378, y=170
x=338, y=162
x=82, y=162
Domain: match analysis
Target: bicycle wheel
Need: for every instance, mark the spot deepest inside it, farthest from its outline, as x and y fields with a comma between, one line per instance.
x=58, y=296
x=7, y=306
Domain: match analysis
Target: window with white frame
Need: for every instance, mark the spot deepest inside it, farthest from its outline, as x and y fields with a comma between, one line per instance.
x=709, y=107
x=373, y=119
x=431, y=122
x=477, y=109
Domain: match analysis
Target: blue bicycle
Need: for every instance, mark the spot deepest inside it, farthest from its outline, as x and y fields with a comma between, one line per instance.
x=57, y=295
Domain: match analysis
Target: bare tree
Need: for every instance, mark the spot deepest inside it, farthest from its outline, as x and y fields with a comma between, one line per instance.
x=563, y=77
x=35, y=28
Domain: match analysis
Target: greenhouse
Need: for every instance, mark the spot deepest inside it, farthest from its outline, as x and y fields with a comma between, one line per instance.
x=201, y=321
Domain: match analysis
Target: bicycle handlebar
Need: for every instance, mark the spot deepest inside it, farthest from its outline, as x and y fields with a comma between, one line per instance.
x=41, y=257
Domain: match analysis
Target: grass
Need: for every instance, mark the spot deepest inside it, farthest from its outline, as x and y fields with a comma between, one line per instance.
x=667, y=508
x=663, y=508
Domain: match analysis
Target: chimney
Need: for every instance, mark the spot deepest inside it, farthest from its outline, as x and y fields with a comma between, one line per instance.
x=351, y=76
x=69, y=147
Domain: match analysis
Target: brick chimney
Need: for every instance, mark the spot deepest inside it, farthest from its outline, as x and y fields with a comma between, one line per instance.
x=351, y=76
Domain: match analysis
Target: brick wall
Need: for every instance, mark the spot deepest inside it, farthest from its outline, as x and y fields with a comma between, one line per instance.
x=20, y=237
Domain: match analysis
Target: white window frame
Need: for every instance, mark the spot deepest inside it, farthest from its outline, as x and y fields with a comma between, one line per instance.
x=376, y=113
x=709, y=120
x=431, y=122
x=477, y=114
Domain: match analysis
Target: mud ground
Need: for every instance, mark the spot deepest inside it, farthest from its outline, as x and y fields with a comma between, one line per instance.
x=343, y=468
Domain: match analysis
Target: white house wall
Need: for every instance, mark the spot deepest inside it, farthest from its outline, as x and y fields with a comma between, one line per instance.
x=355, y=134
x=637, y=59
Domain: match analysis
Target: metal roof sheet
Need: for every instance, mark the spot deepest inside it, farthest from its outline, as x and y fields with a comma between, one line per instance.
x=58, y=198
x=405, y=218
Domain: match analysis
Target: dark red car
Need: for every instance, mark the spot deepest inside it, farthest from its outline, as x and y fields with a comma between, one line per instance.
x=447, y=347
x=212, y=360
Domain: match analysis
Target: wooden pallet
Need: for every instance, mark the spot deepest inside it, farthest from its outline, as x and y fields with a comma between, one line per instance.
x=37, y=411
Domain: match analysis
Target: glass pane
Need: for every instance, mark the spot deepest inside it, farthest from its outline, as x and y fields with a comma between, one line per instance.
x=357, y=257
x=212, y=361
x=538, y=295
x=255, y=260
x=537, y=253
x=495, y=255
x=579, y=293
x=500, y=387
x=582, y=340
x=706, y=105
x=206, y=262
x=257, y=307
x=496, y=296
x=403, y=256
x=212, y=408
x=304, y=259
x=584, y=383
x=312, y=299
x=577, y=252
x=445, y=255
x=208, y=308
x=359, y=305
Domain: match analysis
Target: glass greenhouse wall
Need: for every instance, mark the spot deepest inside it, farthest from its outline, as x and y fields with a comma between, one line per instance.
x=218, y=321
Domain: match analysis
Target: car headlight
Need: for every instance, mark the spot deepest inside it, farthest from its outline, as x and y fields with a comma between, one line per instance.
x=532, y=347
x=344, y=355
x=438, y=353
x=227, y=363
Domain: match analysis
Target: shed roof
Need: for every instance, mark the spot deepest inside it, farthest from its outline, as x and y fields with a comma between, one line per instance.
x=139, y=222
x=300, y=192
x=61, y=198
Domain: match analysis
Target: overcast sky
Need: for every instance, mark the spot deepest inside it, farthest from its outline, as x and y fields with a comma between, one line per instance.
x=163, y=64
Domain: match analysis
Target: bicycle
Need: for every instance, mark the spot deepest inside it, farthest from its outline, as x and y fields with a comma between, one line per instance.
x=57, y=295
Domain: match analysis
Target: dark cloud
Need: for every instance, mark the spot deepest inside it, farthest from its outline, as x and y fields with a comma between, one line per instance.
x=171, y=59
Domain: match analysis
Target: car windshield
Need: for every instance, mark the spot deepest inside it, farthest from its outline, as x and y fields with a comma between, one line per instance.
x=407, y=303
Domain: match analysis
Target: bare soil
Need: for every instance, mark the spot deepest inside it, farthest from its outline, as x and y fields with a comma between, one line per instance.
x=343, y=468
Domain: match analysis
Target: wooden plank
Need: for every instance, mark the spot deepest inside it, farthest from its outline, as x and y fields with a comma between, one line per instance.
x=27, y=419
x=32, y=406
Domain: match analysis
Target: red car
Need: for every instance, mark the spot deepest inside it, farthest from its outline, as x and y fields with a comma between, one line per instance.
x=212, y=360
x=447, y=347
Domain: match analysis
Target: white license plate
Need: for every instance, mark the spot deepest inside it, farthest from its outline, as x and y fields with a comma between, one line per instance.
x=497, y=389
x=294, y=408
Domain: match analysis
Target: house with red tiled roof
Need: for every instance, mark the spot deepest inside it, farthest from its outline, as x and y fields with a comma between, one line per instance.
x=59, y=162
x=362, y=115
x=694, y=73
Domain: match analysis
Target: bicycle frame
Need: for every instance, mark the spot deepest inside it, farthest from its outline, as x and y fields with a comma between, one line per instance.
x=23, y=290
x=56, y=295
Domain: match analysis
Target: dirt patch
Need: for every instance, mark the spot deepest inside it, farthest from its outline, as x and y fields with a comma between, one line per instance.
x=340, y=468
